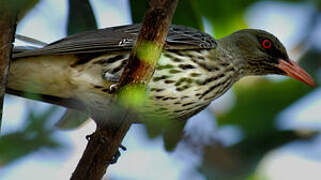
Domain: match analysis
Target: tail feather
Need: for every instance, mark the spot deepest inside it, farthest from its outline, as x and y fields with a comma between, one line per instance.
x=41, y=78
x=30, y=40
x=20, y=49
x=72, y=119
x=20, y=77
x=65, y=102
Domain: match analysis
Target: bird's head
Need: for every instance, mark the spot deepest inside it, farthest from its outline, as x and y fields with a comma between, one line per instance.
x=262, y=53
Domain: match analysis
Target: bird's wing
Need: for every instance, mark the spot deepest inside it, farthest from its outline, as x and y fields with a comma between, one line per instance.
x=120, y=38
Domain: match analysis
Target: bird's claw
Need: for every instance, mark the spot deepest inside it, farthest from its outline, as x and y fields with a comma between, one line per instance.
x=113, y=88
x=122, y=147
x=117, y=155
x=104, y=140
x=101, y=139
x=88, y=137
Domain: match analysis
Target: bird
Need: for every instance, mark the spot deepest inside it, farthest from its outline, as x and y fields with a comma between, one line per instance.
x=80, y=71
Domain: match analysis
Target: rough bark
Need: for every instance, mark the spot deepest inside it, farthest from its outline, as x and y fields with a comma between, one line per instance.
x=7, y=31
x=105, y=141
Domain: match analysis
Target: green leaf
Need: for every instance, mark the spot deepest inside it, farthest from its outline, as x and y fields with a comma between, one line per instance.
x=81, y=17
x=21, y=6
x=34, y=135
x=185, y=14
x=224, y=17
x=258, y=104
x=240, y=160
x=138, y=9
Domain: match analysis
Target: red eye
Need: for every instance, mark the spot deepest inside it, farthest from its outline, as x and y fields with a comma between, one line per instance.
x=267, y=44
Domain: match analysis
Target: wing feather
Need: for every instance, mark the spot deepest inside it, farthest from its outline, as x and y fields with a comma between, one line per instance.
x=117, y=39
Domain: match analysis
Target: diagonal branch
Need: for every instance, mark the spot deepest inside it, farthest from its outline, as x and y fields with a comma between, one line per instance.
x=104, y=143
x=7, y=31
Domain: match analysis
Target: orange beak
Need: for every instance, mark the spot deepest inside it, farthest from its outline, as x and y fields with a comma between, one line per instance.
x=293, y=70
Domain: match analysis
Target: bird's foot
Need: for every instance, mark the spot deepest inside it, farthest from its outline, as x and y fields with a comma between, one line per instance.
x=104, y=140
x=101, y=139
x=117, y=155
x=88, y=137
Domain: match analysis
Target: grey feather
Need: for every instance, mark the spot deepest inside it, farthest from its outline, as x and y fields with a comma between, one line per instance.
x=121, y=38
x=30, y=40
x=72, y=119
x=20, y=49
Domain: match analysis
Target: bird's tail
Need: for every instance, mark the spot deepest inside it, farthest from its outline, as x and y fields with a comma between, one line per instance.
x=33, y=78
x=30, y=40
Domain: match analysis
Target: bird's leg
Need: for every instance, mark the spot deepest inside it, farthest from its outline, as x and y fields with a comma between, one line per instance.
x=88, y=137
x=117, y=154
x=104, y=140
x=114, y=78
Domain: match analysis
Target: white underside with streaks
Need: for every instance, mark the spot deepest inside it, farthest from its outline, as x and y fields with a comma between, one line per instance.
x=89, y=82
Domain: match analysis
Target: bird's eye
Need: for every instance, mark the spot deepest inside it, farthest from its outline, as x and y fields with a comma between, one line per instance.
x=267, y=44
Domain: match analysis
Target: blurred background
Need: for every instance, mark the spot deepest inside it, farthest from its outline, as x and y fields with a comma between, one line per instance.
x=265, y=128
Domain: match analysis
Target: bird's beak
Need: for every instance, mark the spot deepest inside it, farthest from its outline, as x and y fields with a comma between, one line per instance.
x=293, y=70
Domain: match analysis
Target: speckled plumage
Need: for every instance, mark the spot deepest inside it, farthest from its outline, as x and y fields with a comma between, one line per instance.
x=193, y=70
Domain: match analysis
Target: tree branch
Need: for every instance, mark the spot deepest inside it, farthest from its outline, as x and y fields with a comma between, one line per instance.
x=104, y=143
x=7, y=31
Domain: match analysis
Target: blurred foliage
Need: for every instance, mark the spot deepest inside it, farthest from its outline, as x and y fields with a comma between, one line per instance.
x=258, y=102
x=192, y=18
x=240, y=160
x=190, y=13
x=224, y=17
x=22, y=6
x=80, y=17
x=34, y=135
x=264, y=100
